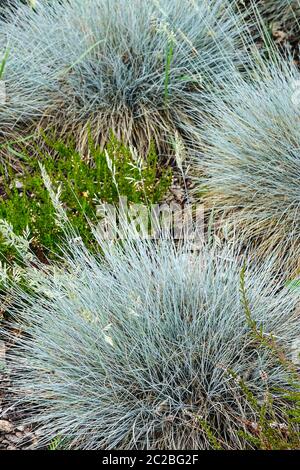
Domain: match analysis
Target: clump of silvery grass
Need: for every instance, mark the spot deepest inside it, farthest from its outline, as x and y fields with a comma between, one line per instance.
x=145, y=345
x=140, y=68
x=251, y=162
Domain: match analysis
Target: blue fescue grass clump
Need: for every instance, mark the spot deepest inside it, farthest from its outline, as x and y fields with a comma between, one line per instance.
x=146, y=345
x=251, y=162
x=139, y=68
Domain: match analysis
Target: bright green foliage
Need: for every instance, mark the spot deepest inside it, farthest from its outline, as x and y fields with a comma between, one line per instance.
x=109, y=174
x=3, y=63
x=55, y=444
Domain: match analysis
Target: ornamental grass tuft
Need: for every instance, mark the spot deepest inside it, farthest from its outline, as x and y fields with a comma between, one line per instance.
x=142, y=69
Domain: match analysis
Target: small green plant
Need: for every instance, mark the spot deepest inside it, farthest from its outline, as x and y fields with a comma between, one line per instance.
x=210, y=435
x=108, y=175
x=267, y=433
x=3, y=63
x=293, y=284
x=55, y=444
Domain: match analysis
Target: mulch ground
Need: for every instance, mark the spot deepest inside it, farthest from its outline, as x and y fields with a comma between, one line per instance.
x=13, y=436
